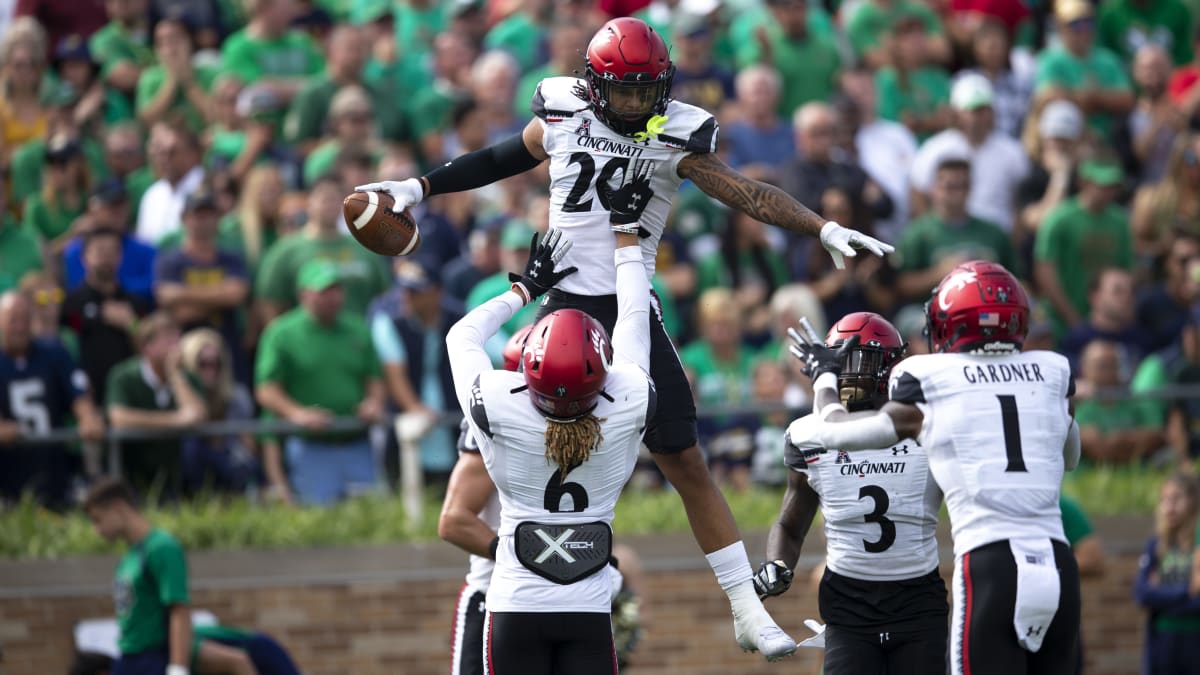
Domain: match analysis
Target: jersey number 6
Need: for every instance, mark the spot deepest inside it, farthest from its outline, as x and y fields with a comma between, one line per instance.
x=556, y=488
x=887, y=529
x=587, y=171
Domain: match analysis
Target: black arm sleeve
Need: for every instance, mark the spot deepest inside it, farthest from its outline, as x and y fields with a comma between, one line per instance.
x=482, y=167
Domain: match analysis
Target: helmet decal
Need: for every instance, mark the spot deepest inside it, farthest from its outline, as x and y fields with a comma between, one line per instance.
x=956, y=281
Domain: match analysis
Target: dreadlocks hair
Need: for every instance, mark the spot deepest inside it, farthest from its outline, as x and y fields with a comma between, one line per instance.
x=569, y=444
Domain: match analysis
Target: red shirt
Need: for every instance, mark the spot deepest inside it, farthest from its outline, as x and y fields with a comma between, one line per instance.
x=1009, y=12
x=61, y=18
x=1181, y=82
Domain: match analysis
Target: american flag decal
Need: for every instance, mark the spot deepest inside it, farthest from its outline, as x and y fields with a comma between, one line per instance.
x=989, y=319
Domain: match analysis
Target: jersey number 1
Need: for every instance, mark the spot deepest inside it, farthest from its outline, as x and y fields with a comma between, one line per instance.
x=1012, y=432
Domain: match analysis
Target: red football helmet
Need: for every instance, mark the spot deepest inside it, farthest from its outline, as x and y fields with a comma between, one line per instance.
x=512, y=349
x=565, y=363
x=978, y=306
x=629, y=74
x=865, y=370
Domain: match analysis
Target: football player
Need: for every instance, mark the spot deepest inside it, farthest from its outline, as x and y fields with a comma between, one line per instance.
x=997, y=426
x=559, y=473
x=593, y=129
x=881, y=596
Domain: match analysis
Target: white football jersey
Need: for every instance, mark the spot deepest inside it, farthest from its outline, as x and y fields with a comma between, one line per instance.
x=511, y=434
x=880, y=509
x=583, y=151
x=479, y=575
x=994, y=431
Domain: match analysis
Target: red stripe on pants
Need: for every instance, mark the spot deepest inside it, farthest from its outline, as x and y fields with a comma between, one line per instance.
x=966, y=641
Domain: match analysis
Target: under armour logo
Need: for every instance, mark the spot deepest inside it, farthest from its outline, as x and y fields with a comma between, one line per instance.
x=561, y=391
x=902, y=450
x=635, y=198
x=1032, y=632
x=554, y=546
x=842, y=458
x=537, y=265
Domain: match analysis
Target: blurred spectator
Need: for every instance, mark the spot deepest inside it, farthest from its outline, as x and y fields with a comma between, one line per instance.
x=175, y=85
x=257, y=222
x=749, y=264
x=807, y=61
x=883, y=148
x=514, y=251
x=494, y=78
x=760, y=137
x=126, y=160
x=566, y=41
x=1181, y=87
x=1126, y=26
x=864, y=284
x=770, y=387
x=788, y=305
x=1178, y=364
x=202, y=285
x=1112, y=318
x=268, y=53
x=869, y=22
x=1012, y=87
x=1168, y=580
x=45, y=300
x=523, y=32
x=430, y=107
x=27, y=161
x=51, y=212
x=910, y=322
x=1111, y=431
x=720, y=368
x=698, y=80
x=468, y=131
x=998, y=164
x=481, y=260
x=205, y=18
x=175, y=157
x=20, y=250
x=948, y=235
x=40, y=388
x=220, y=463
x=316, y=362
x=308, y=115
x=912, y=90
x=1085, y=543
x=122, y=47
x=108, y=209
x=351, y=130
x=1171, y=204
x=1082, y=72
x=362, y=275
x=151, y=391
x=1162, y=309
x=1080, y=237
x=1052, y=141
x=63, y=17
x=819, y=165
x=416, y=367
x=80, y=82
x=23, y=116
x=100, y=311
x=469, y=18
x=1155, y=121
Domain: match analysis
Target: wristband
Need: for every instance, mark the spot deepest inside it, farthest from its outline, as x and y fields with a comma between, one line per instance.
x=520, y=290
x=826, y=380
x=492, y=547
x=176, y=669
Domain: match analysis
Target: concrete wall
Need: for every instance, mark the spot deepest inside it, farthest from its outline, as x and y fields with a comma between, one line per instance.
x=389, y=610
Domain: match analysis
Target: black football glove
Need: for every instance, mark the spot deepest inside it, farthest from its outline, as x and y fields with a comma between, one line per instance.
x=817, y=357
x=541, y=270
x=772, y=578
x=627, y=202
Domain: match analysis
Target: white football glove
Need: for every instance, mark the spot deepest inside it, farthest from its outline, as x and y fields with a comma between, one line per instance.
x=805, y=433
x=843, y=241
x=817, y=640
x=408, y=192
x=755, y=630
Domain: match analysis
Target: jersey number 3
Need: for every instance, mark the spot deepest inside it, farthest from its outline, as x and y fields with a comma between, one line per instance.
x=587, y=171
x=556, y=488
x=887, y=529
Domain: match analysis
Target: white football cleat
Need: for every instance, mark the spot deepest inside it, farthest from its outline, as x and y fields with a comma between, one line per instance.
x=761, y=634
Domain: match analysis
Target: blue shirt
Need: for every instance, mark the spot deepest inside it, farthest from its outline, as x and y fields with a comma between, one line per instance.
x=136, y=274
x=38, y=389
x=748, y=145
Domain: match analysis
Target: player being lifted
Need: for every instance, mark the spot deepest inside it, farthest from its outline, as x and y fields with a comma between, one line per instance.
x=998, y=430
x=882, y=599
x=559, y=472
x=592, y=130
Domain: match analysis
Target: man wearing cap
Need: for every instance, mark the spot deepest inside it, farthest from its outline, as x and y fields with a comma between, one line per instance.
x=998, y=162
x=698, y=80
x=108, y=209
x=1078, y=239
x=1051, y=176
x=316, y=363
x=200, y=285
x=1082, y=72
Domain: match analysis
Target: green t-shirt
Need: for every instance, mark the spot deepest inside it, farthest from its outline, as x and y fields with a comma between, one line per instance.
x=928, y=240
x=392, y=82
x=870, y=22
x=145, y=462
x=1057, y=67
x=1110, y=416
x=306, y=116
x=29, y=159
x=20, y=252
x=317, y=365
x=1152, y=374
x=114, y=44
x=151, y=81
x=808, y=67
x=225, y=145
x=518, y=35
x=494, y=285
x=288, y=56
x=323, y=158
x=719, y=382
x=1075, y=522
x=52, y=219
x=1124, y=25
x=218, y=633
x=430, y=111
x=151, y=577
x=744, y=27
x=1080, y=244
x=527, y=86
x=712, y=272
x=927, y=89
x=416, y=27
x=364, y=274
x=136, y=184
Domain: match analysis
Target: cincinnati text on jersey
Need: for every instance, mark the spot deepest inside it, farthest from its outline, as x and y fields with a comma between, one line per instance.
x=602, y=144
x=868, y=468
x=1003, y=372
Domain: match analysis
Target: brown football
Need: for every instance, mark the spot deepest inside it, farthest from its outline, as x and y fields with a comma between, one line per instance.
x=371, y=220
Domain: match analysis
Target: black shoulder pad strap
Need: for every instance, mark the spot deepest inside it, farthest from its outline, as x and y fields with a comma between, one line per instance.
x=906, y=389
x=478, y=410
x=702, y=138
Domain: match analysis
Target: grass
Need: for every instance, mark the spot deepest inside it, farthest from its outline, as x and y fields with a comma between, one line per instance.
x=30, y=532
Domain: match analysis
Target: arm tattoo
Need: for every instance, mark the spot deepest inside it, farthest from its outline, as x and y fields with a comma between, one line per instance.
x=760, y=201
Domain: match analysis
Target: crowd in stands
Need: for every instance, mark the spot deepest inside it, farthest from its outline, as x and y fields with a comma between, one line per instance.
x=172, y=249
